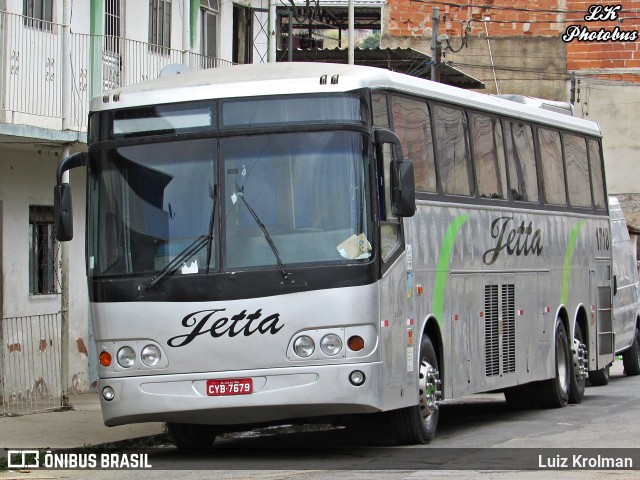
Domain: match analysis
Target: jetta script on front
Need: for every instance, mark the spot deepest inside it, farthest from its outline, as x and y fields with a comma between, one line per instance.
x=220, y=326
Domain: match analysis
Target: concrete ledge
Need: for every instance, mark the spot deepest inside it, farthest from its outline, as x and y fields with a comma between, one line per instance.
x=29, y=133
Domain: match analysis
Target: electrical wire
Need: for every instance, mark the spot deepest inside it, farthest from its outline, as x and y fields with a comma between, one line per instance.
x=501, y=8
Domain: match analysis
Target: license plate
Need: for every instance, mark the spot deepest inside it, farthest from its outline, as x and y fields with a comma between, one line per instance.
x=229, y=386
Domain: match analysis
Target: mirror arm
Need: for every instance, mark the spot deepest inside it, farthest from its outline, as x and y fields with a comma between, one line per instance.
x=384, y=135
x=79, y=159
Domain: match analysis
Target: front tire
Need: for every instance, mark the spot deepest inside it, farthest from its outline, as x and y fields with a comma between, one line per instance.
x=554, y=393
x=191, y=436
x=631, y=357
x=417, y=424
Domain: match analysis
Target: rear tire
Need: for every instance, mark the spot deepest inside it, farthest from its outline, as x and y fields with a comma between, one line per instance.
x=191, y=436
x=578, y=365
x=631, y=356
x=554, y=393
x=417, y=424
x=599, y=378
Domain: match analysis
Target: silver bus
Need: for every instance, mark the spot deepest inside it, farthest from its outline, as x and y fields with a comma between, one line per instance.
x=294, y=242
x=625, y=306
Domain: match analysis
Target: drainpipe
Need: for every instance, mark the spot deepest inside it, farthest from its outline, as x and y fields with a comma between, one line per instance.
x=351, y=19
x=186, y=31
x=271, y=52
x=67, y=80
x=66, y=86
x=64, y=307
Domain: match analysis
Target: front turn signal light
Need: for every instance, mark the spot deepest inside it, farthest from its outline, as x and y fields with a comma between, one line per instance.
x=105, y=359
x=355, y=343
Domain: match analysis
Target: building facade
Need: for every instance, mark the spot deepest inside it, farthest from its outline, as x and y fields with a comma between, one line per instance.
x=54, y=56
x=583, y=52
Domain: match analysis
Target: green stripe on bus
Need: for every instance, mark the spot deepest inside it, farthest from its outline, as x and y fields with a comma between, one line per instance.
x=444, y=260
x=568, y=258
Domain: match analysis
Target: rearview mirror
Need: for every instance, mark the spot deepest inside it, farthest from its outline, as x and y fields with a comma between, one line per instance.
x=403, y=189
x=403, y=196
x=62, y=212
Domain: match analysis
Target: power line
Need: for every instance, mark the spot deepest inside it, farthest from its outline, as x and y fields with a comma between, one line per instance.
x=512, y=9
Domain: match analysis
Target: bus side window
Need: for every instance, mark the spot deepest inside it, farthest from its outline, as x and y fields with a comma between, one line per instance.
x=453, y=155
x=597, y=177
x=488, y=156
x=412, y=124
x=380, y=110
x=552, y=167
x=575, y=150
x=521, y=159
x=390, y=225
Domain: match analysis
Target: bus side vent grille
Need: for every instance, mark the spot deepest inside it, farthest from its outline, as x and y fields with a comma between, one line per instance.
x=491, y=330
x=508, y=329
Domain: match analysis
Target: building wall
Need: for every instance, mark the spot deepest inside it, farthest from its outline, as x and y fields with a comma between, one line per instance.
x=614, y=105
x=517, y=46
x=27, y=176
x=20, y=188
x=27, y=172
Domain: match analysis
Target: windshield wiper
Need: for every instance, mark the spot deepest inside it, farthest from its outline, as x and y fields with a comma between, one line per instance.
x=173, y=265
x=272, y=245
x=213, y=196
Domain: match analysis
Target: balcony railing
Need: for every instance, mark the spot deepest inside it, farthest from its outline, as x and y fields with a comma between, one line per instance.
x=33, y=90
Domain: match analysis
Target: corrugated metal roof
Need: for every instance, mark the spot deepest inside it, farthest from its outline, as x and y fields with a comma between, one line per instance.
x=403, y=60
x=334, y=3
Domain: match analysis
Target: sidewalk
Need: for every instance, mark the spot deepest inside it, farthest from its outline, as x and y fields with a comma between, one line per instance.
x=79, y=427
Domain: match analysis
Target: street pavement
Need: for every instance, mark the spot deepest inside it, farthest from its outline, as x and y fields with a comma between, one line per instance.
x=81, y=426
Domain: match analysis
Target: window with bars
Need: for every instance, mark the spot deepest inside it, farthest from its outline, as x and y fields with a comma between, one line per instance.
x=112, y=26
x=43, y=252
x=38, y=14
x=210, y=10
x=160, y=26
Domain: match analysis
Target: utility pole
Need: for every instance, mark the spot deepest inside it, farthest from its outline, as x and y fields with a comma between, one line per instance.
x=64, y=247
x=271, y=48
x=435, y=45
x=186, y=32
x=351, y=20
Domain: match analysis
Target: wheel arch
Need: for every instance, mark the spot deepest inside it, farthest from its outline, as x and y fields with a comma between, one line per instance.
x=432, y=330
x=563, y=316
x=581, y=319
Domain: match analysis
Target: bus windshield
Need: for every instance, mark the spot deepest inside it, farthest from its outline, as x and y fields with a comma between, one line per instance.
x=206, y=205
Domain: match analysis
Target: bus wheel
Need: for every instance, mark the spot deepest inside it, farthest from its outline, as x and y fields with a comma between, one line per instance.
x=631, y=356
x=598, y=378
x=190, y=436
x=417, y=424
x=578, y=367
x=554, y=393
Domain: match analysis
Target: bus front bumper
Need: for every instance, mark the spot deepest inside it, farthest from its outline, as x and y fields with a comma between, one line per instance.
x=276, y=395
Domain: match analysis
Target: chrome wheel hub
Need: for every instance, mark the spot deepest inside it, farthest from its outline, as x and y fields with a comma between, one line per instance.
x=580, y=358
x=429, y=388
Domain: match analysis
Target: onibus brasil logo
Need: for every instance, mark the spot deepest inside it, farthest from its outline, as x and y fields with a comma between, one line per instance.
x=32, y=459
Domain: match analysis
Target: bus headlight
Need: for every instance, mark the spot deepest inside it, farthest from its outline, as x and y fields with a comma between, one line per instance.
x=126, y=357
x=304, y=346
x=331, y=344
x=150, y=355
